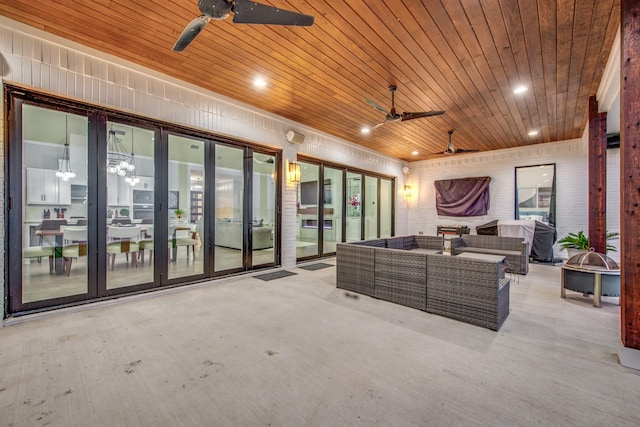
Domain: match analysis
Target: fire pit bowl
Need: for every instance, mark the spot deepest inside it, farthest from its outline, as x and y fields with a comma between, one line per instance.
x=591, y=273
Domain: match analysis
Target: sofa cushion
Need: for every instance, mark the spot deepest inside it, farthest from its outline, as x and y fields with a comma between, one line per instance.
x=487, y=251
x=409, y=242
x=426, y=251
x=375, y=243
x=395, y=242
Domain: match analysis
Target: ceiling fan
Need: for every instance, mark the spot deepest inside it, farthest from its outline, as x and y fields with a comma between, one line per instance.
x=244, y=12
x=451, y=149
x=393, y=116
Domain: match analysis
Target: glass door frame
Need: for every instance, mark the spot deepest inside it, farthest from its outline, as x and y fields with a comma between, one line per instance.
x=102, y=203
x=98, y=117
x=345, y=169
x=14, y=201
x=247, y=213
x=247, y=207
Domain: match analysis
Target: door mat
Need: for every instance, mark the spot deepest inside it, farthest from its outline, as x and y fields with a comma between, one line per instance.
x=546, y=261
x=316, y=266
x=275, y=275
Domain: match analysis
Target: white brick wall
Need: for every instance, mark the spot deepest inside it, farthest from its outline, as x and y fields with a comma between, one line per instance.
x=571, y=159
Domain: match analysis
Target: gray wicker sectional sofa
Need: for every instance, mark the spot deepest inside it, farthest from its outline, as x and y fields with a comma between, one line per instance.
x=411, y=271
x=514, y=249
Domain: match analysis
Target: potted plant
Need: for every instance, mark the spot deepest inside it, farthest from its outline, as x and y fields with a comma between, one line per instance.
x=576, y=243
x=179, y=213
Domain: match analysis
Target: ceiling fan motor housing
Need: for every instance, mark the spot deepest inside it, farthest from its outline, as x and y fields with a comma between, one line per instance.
x=215, y=9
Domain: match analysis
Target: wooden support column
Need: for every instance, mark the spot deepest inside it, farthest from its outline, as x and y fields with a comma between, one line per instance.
x=597, y=177
x=630, y=176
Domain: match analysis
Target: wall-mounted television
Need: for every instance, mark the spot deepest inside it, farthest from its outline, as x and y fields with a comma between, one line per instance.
x=309, y=192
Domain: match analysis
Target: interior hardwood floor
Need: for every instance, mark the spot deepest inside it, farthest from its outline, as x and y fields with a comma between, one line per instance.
x=39, y=284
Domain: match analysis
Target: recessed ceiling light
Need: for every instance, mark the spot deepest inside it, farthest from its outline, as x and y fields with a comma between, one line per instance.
x=415, y=153
x=366, y=129
x=520, y=89
x=533, y=132
x=259, y=82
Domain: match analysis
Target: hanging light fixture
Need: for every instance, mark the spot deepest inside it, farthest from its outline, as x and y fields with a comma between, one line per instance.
x=131, y=176
x=118, y=161
x=64, y=164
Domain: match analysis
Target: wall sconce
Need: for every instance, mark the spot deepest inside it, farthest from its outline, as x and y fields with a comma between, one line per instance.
x=294, y=172
x=407, y=191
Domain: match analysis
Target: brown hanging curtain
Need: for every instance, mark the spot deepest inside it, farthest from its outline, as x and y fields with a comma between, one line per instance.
x=462, y=197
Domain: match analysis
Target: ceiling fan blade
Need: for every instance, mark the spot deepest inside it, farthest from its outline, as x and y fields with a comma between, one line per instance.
x=376, y=106
x=190, y=33
x=378, y=125
x=419, y=115
x=462, y=150
x=248, y=12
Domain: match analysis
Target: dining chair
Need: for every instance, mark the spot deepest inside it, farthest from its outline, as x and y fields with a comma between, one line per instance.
x=50, y=224
x=74, y=244
x=124, y=240
x=146, y=243
x=186, y=236
x=121, y=221
x=39, y=252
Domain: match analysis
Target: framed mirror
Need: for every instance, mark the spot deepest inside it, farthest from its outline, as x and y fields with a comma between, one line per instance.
x=535, y=196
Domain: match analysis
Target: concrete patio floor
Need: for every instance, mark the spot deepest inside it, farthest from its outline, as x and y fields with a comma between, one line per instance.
x=297, y=351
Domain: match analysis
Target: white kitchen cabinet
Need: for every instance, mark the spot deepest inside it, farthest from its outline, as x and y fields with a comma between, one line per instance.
x=118, y=191
x=45, y=188
x=79, y=164
x=146, y=183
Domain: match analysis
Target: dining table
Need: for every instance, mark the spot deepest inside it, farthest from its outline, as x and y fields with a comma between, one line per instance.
x=58, y=263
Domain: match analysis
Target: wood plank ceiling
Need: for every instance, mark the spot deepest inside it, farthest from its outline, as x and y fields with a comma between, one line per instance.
x=462, y=56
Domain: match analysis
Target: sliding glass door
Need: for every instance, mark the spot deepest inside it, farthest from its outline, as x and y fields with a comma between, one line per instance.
x=308, y=216
x=102, y=204
x=264, y=204
x=130, y=177
x=185, y=206
x=371, y=205
x=355, y=205
x=386, y=207
x=333, y=208
x=54, y=216
x=229, y=208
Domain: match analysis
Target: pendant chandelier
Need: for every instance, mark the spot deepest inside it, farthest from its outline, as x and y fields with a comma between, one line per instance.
x=131, y=177
x=64, y=164
x=118, y=161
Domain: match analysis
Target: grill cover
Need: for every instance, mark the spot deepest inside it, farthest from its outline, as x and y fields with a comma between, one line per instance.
x=544, y=237
x=488, y=229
